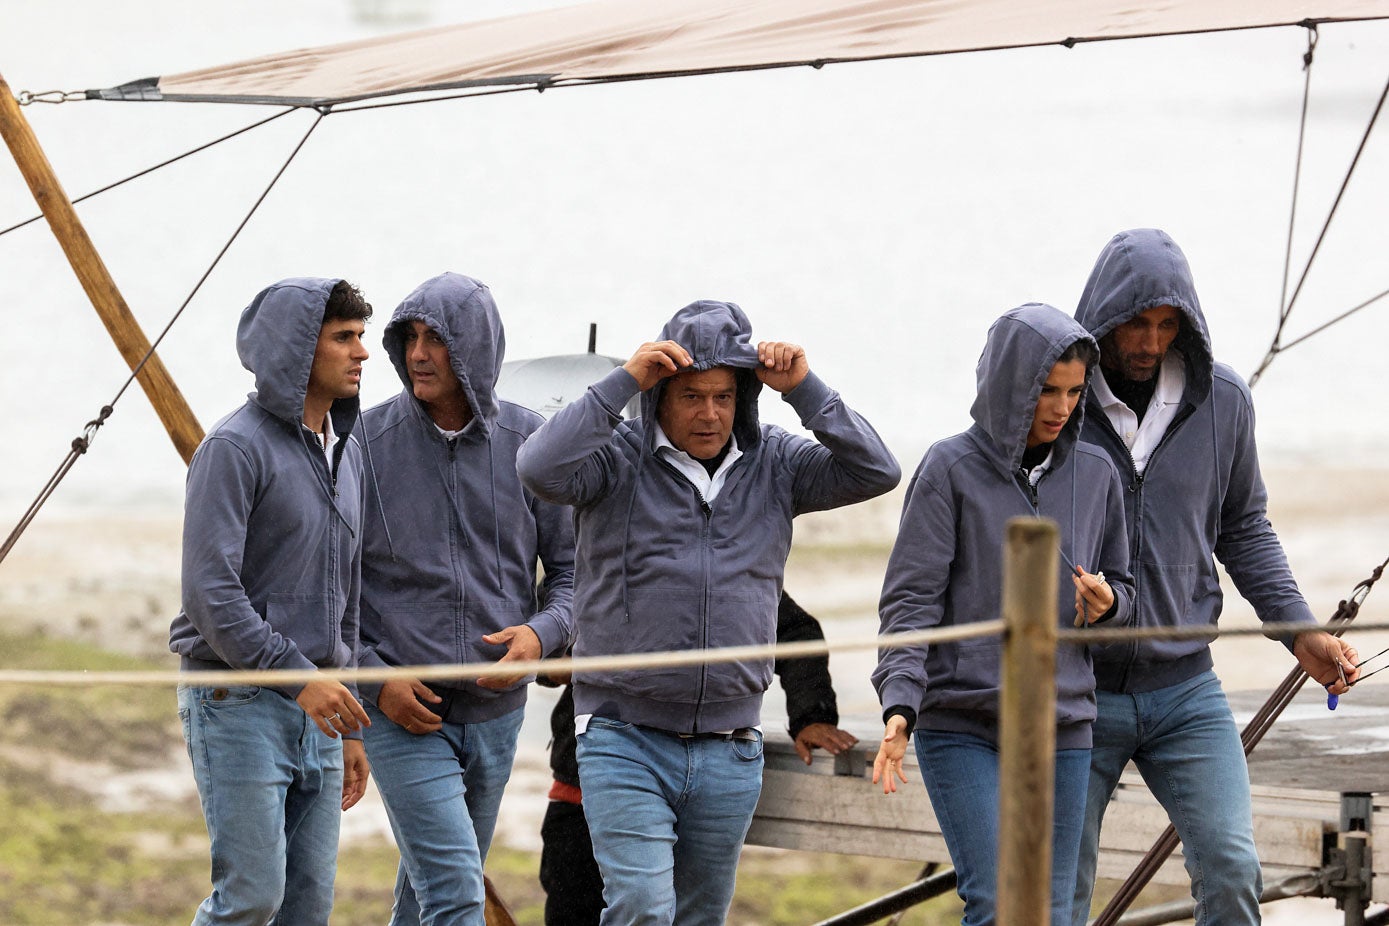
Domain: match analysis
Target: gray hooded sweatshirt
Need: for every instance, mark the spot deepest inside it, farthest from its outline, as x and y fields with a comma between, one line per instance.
x=659, y=568
x=1201, y=492
x=271, y=536
x=452, y=538
x=946, y=567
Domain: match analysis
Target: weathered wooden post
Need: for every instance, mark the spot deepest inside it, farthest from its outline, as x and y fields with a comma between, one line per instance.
x=1027, y=722
x=96, y=280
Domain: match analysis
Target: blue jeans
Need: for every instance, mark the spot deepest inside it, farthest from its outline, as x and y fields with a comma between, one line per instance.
x=961, y=776
x=271, y=789
x=441, y=792
x=668, y=816
x=1184, y=742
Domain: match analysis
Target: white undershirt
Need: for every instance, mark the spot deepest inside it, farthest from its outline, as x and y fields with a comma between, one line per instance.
x=1142, y=439
x=448, y=435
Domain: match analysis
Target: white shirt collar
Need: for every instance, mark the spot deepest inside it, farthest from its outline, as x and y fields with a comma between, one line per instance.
x=709, y=485
x=327, y=439
x=1142, y=439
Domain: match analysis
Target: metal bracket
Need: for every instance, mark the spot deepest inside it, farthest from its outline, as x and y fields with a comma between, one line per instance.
x=1347, y=873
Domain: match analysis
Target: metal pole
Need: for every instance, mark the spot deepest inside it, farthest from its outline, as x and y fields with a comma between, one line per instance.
x=1027, y=722
x=110, y=305
x=875, y=911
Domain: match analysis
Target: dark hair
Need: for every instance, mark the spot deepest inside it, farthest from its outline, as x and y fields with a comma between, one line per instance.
x=1082, y=349
x=346, y=303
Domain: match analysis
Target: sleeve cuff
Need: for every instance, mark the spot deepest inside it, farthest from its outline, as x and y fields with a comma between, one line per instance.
x=809, y=397
x=901, y=710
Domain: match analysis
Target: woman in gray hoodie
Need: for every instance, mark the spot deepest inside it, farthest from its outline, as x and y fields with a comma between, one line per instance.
x=1021, y=457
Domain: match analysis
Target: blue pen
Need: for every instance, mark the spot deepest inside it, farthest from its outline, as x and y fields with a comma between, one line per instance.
x=1331, y=699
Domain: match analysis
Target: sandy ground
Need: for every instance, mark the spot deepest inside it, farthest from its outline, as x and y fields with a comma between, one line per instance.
x=112, y=580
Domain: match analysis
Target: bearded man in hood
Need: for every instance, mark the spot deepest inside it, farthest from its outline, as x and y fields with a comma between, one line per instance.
x=1180, y=428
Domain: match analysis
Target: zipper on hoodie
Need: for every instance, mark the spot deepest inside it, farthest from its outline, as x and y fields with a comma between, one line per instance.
x=708, y=511
x=704, y=602
x=1136, y=487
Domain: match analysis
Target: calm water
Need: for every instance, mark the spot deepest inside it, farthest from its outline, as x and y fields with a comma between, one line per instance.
x=881, y=214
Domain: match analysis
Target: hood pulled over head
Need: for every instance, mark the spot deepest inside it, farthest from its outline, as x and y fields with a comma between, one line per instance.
x=717, y=334
x=1022, y=347
x=276, y=340
x=1141, y=269
x=462, y=312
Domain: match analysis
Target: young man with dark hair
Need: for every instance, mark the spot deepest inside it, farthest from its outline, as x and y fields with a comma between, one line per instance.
x=271, y=570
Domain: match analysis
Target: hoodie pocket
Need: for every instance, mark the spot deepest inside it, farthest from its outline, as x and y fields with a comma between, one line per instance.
x=487, y=617
x=968, y=675
x=661, y=619
x=305, y=619
x=424, y=634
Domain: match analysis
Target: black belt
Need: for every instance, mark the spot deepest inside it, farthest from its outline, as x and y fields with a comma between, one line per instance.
x=742, y=733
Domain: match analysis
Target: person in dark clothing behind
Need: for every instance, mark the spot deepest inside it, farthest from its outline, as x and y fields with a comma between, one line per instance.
x=568, y=873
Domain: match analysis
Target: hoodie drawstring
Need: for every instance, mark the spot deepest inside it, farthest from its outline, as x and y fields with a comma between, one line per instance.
x=376, y=493
x=496, y=523
x=627, y=529
x=1215, y=452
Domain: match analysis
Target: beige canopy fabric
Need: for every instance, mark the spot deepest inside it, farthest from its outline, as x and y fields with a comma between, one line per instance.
x=611, y=40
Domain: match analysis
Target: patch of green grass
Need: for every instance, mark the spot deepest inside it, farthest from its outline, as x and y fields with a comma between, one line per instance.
x=120, y=724
x=779, y=887
x=63, y=861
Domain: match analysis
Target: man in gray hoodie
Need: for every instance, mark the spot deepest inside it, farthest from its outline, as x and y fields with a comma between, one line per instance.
x=683, y=518
x=448, y=577
x=271, y=566
x=1180, y=428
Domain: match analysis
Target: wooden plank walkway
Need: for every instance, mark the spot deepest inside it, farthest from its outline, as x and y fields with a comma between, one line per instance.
x=1298, y=773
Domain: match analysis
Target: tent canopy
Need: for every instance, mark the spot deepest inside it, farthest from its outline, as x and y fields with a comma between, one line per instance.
x=612, y=40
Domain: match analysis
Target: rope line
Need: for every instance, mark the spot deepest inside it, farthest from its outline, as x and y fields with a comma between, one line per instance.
x=149, y=170
x=1274, y=348
x=81, y=444
x=537, y=87
x=218, y=259
x=1339, y=318
x=1307, y=58
x=664, y=659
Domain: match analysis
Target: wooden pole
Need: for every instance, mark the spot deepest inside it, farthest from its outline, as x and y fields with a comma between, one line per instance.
x=96, y=280
x=1027, y=722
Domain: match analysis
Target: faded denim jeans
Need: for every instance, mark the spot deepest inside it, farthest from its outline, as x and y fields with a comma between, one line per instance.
x=1184, y=741
x=271, y=788
x=442, y=791
x=668, y=816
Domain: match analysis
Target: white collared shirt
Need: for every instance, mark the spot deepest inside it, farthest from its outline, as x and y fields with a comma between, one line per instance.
x=693, y=470
x=1142, y=439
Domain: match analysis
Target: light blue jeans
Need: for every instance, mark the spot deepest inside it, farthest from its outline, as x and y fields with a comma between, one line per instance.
x=271, y=789
x=1184, y=742
x=668, y=816
x=441, y=791
x=961, y=776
